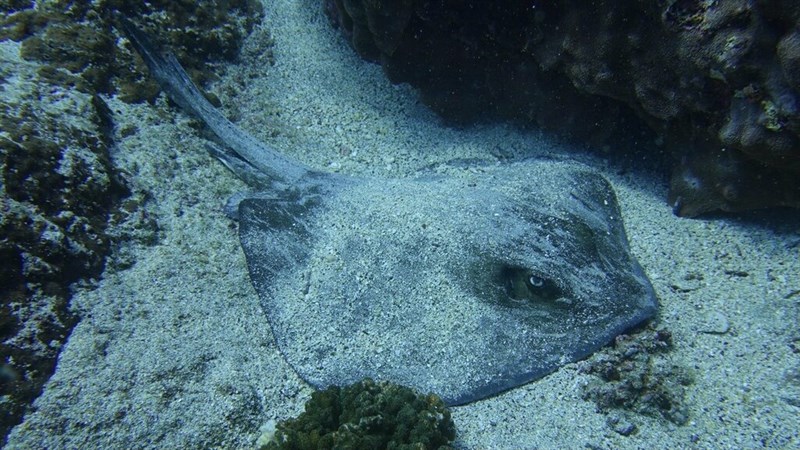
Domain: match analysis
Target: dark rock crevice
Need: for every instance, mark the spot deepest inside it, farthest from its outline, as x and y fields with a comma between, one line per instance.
x=716, y=81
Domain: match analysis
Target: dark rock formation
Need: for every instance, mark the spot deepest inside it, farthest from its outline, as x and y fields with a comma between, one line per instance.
x=59, y=189
x=718, y=81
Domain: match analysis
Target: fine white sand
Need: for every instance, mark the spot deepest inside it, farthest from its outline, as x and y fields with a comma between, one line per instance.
x=175, y=352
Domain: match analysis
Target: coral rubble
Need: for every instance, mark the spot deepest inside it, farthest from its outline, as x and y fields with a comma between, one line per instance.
x=634, y=376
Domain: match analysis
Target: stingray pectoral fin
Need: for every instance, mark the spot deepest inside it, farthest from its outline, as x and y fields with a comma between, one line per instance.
x=275, y=236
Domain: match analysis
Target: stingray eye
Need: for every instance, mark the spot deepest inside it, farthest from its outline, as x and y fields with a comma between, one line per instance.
x=535, y=281
x=523, y=285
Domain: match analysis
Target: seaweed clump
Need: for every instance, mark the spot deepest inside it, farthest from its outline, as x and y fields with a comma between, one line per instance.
x=367, y=415
x=631, y=376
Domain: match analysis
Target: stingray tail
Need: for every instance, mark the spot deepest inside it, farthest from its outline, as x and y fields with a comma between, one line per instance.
x=175, y=82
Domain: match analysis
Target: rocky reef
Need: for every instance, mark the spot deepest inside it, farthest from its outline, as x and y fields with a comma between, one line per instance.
x=59, y=189
x=716, y=82
x=79, y=45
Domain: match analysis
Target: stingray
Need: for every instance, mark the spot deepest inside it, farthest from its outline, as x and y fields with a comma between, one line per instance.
x=465, y=285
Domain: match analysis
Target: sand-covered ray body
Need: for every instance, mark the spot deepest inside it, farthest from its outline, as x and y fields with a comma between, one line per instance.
x=465, y=285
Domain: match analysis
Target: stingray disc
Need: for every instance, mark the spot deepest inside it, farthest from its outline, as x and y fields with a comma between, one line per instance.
x=464, y=286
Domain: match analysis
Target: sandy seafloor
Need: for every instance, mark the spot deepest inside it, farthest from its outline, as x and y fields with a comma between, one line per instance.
x=175, y=352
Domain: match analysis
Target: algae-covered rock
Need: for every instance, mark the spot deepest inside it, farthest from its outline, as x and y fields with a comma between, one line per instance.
x=78, y=43
x=59, y=189
x=634, y=376
x=367, y=415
